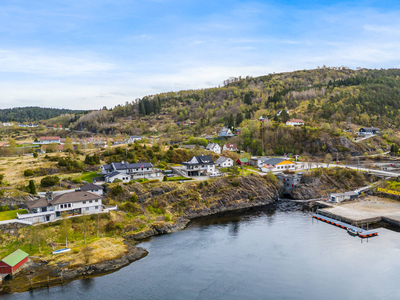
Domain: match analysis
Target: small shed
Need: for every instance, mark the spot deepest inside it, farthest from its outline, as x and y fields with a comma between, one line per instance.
x=11, y=263
x=243, y=162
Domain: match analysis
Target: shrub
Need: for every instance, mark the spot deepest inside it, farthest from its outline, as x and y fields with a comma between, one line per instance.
x=117, y=180
x=150, y=209
x=1, y=193
x=35, y=154
x=200, y=185
x=116, y=190
x=49, y=181
x=77, y=180
x=110, y=226
x=251, y=197
x=206, y=183
x=167, y=218
x=28, y=172
x=129, y=207
x=133, y=198
x=118, y=226
x=165, y=178
x=235, y=183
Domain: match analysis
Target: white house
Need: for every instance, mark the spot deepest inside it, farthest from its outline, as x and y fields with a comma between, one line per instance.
x=229, y=147
x=198, y=165
x=280, y=111
x=133, y=139
x=258, y=161
x=48, y=208
x=339, y=197
x=127, y=172
x=6, y=124
x=295, y=122
x=214, y=147
x=48, y=140
x=225, y=132
x=278, y=165
x=224, y=162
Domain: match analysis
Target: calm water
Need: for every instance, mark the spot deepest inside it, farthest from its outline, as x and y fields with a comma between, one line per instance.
x=276, y=252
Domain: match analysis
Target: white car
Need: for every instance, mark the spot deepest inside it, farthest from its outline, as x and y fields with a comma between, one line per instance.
x=215, y=174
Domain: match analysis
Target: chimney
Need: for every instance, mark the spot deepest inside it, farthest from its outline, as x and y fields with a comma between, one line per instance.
x=49, y=196
x=122, y=162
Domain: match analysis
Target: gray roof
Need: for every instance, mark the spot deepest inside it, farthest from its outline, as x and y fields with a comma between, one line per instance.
x=64, y=198
x=370, y=128
x=112, y=174
x=90, y=186
x=202, y=160
x=274, y=161
x=126, y=165
x=221, y=160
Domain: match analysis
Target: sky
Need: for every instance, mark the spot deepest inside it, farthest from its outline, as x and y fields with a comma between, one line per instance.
x=86, y=54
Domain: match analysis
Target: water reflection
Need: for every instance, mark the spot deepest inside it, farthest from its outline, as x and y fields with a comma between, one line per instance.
x=273, y=252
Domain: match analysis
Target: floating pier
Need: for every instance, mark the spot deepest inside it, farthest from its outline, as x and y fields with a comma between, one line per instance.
x=362, y=232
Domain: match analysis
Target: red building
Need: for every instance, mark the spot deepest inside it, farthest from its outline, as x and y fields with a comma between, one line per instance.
x=242, y=162
x=11, y=263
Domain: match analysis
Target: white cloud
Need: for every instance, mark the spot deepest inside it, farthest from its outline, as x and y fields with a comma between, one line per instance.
x=36, y=62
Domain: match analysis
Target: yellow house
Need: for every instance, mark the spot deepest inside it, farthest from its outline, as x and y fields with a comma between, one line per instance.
x=277, y=165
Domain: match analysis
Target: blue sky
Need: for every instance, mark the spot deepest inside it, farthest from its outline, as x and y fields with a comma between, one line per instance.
x=90, y=53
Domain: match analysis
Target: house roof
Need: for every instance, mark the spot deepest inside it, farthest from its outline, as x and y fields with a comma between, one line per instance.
x=221, y=160
x=135, y=137
x=64, y=198
x=230, y=146
x=90, y=186
x=113, y=174
x=370, y=128
x=15, y=257
x=296, y=120
x=275, y=161
x=49, y=138
x=125, y=165
x=211, y=145
x=243, y=159
x=201, y=160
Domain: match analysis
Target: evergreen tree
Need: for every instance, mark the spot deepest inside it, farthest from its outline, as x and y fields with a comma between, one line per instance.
x=239, y=118
x=32, y=187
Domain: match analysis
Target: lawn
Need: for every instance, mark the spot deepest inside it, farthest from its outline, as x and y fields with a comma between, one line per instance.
x=11, y=214
x=178, y=178
x=88, y=176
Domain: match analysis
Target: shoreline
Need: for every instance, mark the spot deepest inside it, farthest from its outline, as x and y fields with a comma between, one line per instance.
x=62, y=275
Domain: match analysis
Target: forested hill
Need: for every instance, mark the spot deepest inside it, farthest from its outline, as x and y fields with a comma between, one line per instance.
x=327, y=95
x=32, y=114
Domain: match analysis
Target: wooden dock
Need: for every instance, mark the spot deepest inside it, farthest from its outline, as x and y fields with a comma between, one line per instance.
x=362, y=232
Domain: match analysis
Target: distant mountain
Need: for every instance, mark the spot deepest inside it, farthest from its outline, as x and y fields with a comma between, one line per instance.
x=33, y=113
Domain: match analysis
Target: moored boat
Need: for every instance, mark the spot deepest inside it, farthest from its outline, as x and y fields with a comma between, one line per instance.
x=352, y=231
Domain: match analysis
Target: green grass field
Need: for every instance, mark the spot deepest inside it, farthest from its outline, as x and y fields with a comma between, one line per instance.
x=88, y=176
x=178, y=178
x=11, y=214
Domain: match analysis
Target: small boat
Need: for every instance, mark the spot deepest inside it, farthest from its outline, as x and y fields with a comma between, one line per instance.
x=352, y=231
x=61, y=251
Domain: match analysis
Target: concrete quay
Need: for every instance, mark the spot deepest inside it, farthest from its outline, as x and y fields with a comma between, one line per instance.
x=365, y=211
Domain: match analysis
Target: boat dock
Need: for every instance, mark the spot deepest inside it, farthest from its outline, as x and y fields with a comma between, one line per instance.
x=362, y=232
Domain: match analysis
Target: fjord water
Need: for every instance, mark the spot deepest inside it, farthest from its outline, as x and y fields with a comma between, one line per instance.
x=274, y=252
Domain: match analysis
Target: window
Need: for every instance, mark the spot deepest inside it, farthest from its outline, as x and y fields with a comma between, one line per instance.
x=84, y=202
x=87, y=208
x=97, y=200
x=90, y=201
x=96, y=207
x=69, y=204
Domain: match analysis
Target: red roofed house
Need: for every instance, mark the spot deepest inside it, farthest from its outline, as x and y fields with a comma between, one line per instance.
x=11, y=263
x=295, y=122
x=229, y=147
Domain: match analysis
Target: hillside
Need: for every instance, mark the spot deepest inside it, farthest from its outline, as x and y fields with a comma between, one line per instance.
x=334, y=102
x=33, y=114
